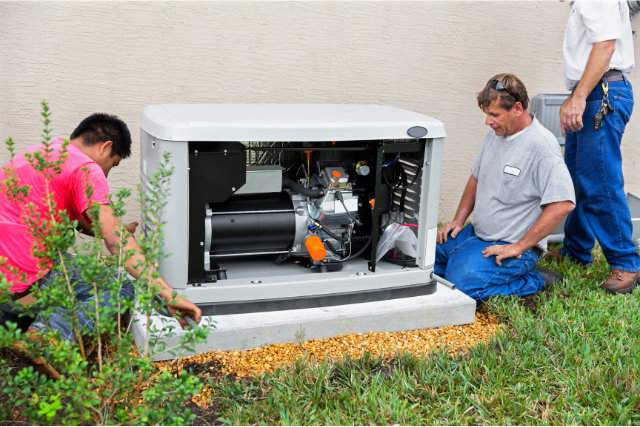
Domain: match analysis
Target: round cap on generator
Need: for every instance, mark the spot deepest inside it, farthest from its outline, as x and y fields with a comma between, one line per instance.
x=336, y=174
x=417, y=132
x=316, y=249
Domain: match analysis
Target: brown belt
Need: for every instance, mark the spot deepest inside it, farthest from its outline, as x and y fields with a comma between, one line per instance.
x=614, y=76
x=618, y=78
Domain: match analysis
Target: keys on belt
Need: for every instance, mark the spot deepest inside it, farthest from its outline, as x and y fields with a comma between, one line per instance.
x=604, y=106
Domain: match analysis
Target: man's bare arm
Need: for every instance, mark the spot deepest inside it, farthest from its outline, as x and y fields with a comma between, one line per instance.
x=111, y=224
x=84, y=227
x=549, y=220
x=573, y=108
x=467, y=203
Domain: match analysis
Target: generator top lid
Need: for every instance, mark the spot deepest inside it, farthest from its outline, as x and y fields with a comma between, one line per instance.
x=286, y=122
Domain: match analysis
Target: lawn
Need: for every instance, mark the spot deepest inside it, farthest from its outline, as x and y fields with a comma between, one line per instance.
x=569, y=355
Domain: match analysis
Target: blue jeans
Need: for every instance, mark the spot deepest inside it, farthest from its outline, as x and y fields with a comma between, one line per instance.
x=461, y=262
x=58, y=319
x=594, y=160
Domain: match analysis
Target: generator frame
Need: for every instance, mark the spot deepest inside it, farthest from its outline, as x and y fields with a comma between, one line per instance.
x=205, y=144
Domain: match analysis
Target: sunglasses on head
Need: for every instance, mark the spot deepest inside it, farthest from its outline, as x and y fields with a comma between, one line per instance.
x=500, y=87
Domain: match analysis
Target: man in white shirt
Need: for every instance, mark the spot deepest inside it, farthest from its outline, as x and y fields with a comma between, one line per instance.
x=597, y=58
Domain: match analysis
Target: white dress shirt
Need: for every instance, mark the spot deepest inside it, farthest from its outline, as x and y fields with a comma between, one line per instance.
x=592, y=22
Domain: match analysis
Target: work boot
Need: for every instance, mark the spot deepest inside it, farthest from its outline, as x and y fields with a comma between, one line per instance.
x=550, y=277
x=39, y=363
x=621, y=282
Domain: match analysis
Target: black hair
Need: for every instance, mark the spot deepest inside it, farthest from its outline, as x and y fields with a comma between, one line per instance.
x=101, y=127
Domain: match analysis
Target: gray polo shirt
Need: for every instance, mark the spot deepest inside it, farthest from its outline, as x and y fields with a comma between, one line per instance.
x=517, y=177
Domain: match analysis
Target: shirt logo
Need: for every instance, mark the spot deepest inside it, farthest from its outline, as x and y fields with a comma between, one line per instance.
x=512, y=171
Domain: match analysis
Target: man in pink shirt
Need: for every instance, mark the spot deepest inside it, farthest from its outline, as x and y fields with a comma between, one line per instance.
x=97, y=145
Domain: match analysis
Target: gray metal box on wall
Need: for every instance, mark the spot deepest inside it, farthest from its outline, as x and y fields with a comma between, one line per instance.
x=546, y=108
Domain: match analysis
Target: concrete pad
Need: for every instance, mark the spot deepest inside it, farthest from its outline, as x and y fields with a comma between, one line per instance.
x=445, y=307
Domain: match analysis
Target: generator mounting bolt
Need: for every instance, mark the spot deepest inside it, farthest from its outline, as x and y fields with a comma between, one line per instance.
x=359, y=204
x=201, y=243
x=195, y=152
x=427, y=163
x=361, y=273
x=233, y=188
x=225, y=152
x=256, y=282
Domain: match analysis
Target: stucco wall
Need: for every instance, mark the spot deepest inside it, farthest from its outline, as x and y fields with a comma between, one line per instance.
x=431, y=57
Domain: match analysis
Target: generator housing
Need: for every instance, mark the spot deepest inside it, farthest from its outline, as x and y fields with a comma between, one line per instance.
x=281, y=206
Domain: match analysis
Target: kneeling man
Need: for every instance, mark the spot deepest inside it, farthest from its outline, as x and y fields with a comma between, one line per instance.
x=519, y=192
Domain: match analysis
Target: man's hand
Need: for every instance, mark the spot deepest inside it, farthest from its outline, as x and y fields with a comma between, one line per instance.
x=503, y=251
x=571, y=114
x=454, y=227
x=110, y=224
x=573, y=108
x=183, y=307
x=131, y=228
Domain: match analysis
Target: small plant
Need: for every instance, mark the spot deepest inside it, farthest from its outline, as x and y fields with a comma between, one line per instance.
x=300, y=335
x=104, y=378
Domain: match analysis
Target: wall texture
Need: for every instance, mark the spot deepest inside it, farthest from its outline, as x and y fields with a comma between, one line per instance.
x=431, y=57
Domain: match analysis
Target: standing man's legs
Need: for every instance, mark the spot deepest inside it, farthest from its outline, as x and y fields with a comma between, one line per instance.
x=602, y=209
x=579, y=239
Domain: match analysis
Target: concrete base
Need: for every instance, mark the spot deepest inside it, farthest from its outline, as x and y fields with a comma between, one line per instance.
x=248, y=331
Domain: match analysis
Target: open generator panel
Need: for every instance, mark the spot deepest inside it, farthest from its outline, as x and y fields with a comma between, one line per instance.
x=285, y=224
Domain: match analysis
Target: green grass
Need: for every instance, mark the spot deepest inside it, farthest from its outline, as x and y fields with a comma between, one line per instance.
x=573, y=360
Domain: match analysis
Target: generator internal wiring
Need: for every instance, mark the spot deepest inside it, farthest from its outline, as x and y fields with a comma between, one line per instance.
x=329, y=232
x=339, y=197
x=332, y=249
x=384, y=165
x=406, y=187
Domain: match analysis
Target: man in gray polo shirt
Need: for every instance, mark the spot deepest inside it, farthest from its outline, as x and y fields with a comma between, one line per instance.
x=519, y=192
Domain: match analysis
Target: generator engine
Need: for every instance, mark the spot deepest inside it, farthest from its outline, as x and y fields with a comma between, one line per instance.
x=313, y=218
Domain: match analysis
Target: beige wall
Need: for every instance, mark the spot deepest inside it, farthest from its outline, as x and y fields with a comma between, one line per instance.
x=431, y=57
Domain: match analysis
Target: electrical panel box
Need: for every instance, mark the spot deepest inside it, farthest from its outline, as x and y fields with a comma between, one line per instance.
x=280, y=206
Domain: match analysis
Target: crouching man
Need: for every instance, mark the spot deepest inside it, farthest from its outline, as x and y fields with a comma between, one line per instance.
x=519, y=192
x=98, y=144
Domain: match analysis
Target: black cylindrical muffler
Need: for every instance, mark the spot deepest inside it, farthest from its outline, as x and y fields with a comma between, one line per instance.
x=252, y=224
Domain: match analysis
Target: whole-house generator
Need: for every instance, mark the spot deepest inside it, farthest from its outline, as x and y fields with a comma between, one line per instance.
x=283, y=206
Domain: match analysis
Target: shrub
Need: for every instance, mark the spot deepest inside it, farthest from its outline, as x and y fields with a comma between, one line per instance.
x=105, y=380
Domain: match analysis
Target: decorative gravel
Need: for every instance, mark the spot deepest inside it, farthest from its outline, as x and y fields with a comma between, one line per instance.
x=240, y=364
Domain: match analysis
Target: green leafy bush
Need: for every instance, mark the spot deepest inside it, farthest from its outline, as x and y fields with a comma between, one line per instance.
x=104, y=378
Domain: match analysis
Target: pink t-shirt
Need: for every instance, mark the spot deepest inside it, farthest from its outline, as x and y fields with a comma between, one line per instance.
x=69, y=189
